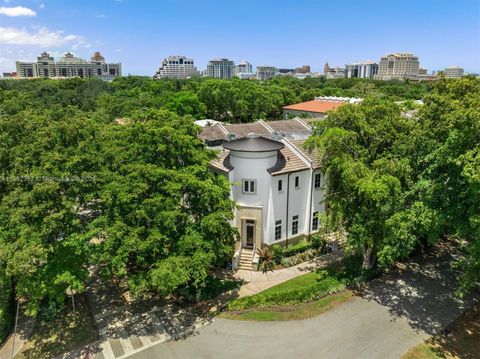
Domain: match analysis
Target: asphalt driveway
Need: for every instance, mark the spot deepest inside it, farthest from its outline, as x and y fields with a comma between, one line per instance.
x=394, y=313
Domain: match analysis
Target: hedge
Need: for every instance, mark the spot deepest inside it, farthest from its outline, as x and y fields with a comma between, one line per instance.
x=297, y=248
x=305, y=294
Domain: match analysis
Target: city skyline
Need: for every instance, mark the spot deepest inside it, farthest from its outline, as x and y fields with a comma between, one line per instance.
x=440, y=33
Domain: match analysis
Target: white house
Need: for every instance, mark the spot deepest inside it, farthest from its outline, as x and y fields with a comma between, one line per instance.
x=277, y=185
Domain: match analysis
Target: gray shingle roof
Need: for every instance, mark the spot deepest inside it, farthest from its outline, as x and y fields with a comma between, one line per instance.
x=253, y=143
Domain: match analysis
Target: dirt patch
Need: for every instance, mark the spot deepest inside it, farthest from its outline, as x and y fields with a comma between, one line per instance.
x=460, y=340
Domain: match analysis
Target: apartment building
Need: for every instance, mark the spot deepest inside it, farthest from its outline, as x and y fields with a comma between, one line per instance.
x=179, y=67
x=453, y=72
x=399, y=65
x=364, y=70
x=266, y=72
x=220, y=68
x=69, y=66
x=243, y=70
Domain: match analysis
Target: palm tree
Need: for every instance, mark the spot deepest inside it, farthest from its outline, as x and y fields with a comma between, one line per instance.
x=267, y=259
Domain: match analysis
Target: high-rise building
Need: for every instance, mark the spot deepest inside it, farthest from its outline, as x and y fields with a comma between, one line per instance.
x=422, y=71
x=243, y=67
x=220, y=68
x=333, y=72
x=286, y=71
x=364, y=70
x=266, y=72
x=69, y=66
x=400, y=65
x=303, y=70
x=454, y=72
x=179, y=67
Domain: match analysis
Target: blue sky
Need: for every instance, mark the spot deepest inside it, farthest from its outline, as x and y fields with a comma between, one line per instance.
x=282, y=33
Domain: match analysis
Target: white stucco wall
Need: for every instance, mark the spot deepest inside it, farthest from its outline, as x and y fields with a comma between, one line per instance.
x=303, y=201
x=252, y=166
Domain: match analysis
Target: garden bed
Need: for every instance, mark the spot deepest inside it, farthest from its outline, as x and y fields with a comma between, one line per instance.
x=301, y=297
x=301, y=252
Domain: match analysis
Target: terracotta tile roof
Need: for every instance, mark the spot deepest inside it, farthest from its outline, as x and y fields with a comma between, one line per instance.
x=315, y=106
x=293, y=163
x=312, y=155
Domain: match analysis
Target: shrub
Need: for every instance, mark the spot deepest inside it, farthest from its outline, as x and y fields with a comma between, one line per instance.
x=297, y=248
x=316, y=242
x=287, y=262
x=278, y=252
x=314, y=291
x=299, y=258
x=50, y=310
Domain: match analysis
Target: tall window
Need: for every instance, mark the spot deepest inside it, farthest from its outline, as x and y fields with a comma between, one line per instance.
x=295, y=225
x=280, y=185
x=278, y=229
x=297, y=181
x=317, y=181
x=315, y=221
x=248, y=186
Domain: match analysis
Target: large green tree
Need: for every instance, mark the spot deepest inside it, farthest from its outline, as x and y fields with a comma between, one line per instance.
x=47, y=166
x=371, y=183
x=164, y=217
x=397, y=181
x=447, y=158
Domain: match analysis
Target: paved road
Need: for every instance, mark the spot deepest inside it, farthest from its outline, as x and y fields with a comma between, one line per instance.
x=395, y=313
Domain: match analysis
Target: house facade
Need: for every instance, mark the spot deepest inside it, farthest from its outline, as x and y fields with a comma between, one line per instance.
x=277, y=184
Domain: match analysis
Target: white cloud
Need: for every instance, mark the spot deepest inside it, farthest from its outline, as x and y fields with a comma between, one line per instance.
x=101, y=16
x=40, y=37
x=17, y=11
x=42, y=6
x=81, y=43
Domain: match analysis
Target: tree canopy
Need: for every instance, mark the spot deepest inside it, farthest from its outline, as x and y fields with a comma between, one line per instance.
x=398, y=181
x=114, y=174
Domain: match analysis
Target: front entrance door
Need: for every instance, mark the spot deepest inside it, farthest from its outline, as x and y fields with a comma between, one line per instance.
x=249, y=233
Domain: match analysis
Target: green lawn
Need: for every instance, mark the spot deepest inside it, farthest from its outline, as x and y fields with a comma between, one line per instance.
x=423, y=351
x=294, y=312
x=305, y=288
x=302, y=297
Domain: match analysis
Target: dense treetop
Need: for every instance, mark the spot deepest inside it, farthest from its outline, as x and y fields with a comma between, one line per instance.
x=78, y=187
x=229, y=100
x=397, y=182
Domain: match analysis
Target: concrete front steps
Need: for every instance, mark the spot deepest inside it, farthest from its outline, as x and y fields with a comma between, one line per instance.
x=245, y=262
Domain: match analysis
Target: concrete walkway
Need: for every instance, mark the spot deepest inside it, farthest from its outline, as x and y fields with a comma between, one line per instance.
x=125, y=328
x=15, y=343
x=258, y=281
x=394, y=313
